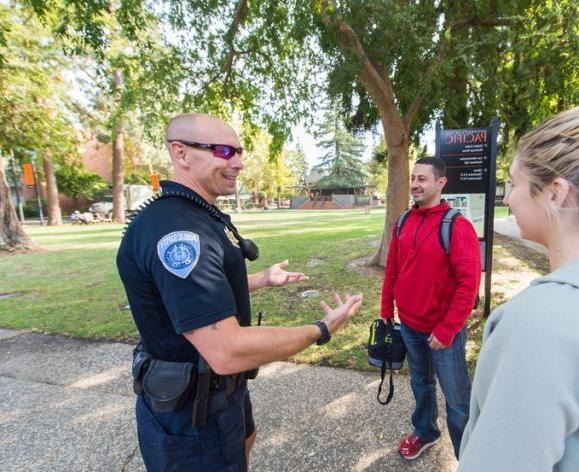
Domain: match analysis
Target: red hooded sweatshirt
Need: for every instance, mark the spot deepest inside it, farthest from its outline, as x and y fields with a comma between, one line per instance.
x=434, y=292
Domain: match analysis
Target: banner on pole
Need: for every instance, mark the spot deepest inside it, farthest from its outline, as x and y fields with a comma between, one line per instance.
x=155, y=182
x=28, y=175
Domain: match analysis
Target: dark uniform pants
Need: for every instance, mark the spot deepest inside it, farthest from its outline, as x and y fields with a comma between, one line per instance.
x=169, y=442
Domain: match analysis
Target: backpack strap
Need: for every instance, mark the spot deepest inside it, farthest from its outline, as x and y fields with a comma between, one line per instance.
x=401, y=220
x=445, y=233
x=445, y=228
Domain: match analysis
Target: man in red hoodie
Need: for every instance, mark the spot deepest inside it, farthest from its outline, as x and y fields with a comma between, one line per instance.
x=434, y=293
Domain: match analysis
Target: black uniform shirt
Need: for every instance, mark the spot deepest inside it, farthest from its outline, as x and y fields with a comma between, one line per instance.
x=182, y=269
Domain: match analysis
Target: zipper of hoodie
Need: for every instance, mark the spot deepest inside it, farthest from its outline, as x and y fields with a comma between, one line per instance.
x=418, y=229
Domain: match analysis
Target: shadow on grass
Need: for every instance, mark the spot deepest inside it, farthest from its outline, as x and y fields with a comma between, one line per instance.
x=522, y=254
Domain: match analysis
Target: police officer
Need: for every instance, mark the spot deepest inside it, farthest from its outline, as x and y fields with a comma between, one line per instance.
x=182, y=264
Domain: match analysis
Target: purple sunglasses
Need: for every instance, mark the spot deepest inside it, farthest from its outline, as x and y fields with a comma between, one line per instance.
x=222, y=151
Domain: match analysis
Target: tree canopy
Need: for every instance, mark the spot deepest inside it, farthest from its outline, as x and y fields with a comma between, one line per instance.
x=33, y=91
x=399, y=64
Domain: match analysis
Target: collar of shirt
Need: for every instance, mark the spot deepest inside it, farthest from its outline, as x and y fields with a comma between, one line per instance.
x=442, y=206
x=172, y=187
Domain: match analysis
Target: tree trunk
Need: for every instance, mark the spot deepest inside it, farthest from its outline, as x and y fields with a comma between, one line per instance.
x=118, y=144
x=18, y=188
x=378, y=84
x=398, y=188
x=12, y=236
x=52, y=203
x=237, y=199
x=118, y=174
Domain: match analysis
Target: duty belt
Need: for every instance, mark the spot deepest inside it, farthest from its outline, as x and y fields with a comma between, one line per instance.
x=168, y=385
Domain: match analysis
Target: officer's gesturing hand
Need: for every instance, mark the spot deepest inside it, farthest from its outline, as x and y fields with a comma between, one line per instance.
x=275, y=276
x=345, y=309
x=230, y=348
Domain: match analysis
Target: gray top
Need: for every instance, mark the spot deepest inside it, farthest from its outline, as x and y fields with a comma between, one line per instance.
x=524, y=411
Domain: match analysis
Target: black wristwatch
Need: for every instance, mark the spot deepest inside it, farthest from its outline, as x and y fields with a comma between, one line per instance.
x=325, y=333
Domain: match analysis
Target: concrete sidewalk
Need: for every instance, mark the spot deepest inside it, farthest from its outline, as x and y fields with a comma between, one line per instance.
x=67, y=405
x=508, y=227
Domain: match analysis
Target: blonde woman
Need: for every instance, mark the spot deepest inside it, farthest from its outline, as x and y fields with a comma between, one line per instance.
x=524, y=411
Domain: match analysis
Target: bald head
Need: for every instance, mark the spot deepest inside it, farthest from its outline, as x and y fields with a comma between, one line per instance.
x=198, y=167
x=201, y=128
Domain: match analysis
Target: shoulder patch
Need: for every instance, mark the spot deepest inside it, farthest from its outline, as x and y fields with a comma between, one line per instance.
x=179, y=252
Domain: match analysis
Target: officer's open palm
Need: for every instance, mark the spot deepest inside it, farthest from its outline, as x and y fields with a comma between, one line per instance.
x=345, y=309
x=276, y=275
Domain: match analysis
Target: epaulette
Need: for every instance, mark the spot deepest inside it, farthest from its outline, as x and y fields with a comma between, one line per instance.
x=142, y=206
x=211, y=209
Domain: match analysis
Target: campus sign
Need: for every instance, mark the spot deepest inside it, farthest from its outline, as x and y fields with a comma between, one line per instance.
x=467, y=153
x=470, y=157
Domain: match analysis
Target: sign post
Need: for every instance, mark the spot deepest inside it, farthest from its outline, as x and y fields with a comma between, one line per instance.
x=470, y=156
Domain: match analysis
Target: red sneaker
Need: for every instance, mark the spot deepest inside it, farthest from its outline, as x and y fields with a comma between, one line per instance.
x=412, y=446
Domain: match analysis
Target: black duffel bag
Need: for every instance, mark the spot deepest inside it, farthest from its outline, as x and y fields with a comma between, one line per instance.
x=386, y=350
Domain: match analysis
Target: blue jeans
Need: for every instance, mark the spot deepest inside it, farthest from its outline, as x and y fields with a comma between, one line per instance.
x=450, y=368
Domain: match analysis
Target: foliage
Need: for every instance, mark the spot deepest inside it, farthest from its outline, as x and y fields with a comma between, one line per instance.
x=35, y=119
x=34, y=113
x=171, y=61
x=401, y=63
x=380, y=153
x=341, y=161
x=111, y=37
x=141, y=157
x=298, y=165
x=463, y=62
x=264, y=177
x=466, y=61
x=30, y=208
x=338, y=182
x=538, y=75
x=400, y=39
x=121, y=40
x=75, y=182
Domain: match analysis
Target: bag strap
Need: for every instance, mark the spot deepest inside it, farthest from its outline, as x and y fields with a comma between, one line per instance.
x=387, y=353
x=400, y=221
x=445, y=228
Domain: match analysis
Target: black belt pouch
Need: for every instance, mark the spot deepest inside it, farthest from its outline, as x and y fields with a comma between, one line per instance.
x=167, y=384
x=141, y=361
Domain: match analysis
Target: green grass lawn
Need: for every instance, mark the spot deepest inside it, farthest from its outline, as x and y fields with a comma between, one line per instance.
x=501, y=212
x=71, y=286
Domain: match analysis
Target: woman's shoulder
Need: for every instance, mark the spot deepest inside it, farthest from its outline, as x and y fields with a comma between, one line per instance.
x=547, y=308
